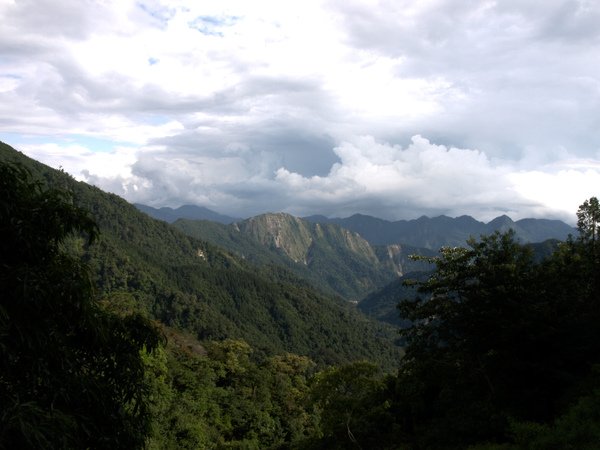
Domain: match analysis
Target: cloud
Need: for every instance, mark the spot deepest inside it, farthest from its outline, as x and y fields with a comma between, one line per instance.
x=258, y=105
x=394, y=182
x=379, y=177
x=516, y=73
x=370, y=177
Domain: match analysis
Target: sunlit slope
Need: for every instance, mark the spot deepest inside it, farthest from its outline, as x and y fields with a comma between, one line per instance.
x=193, y=285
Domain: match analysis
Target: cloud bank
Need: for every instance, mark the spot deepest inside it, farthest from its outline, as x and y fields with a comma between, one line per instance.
x=390, y=108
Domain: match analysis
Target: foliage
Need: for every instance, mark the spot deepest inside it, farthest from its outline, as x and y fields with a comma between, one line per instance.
x=70, y=372
x=216, y=397
x=192, y=285
x=354, y=408
x=500, y=338
x=502, y=344
x=332, y=259
x=588, y=219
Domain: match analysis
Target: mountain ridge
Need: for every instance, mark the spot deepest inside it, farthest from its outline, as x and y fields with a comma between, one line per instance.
x=334, y=259
x=424, y=231
x=196, y=287
x=192, y=212
x=436, y=232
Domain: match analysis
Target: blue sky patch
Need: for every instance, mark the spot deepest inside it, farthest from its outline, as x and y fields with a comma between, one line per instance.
x=211, y=25
x=94, y=144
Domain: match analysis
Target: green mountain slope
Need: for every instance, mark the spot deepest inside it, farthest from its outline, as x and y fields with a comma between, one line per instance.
x=382, y=303
x=331, y=258
x=192, y=285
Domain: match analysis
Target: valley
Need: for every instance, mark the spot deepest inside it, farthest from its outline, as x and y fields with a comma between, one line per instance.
x=284, y=332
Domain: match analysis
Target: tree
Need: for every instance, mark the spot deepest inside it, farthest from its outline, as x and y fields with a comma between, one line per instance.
x=588, y=220
x=71, y=373
x=587, y=245
x=478, y=334
x=353, y=407
x=499, y=338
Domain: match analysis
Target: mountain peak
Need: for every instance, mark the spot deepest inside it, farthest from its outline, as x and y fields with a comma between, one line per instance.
x=191, y=212
x=282, y=231
x=501, y=223
x=433, y=233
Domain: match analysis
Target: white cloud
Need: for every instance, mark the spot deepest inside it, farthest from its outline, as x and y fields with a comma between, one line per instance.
x=434, y=178
x=371, y=177
x=559, y=190
x=256, y=105
x=78, y=160
x=422, y=176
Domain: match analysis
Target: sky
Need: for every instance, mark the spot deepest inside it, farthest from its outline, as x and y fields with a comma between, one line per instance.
x=396, y=108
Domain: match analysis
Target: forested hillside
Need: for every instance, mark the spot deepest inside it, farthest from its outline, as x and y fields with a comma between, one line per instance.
x=332, y=258
x=102, y=309
x=194, y=286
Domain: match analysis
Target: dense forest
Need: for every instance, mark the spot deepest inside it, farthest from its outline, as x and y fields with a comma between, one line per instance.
x=117, y=331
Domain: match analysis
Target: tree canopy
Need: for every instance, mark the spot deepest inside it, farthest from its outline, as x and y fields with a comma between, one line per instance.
x=71, y=373
x=499, y=339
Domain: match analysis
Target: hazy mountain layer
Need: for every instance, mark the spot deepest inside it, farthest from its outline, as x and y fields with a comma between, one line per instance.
x=191, y=212
x=436, y=232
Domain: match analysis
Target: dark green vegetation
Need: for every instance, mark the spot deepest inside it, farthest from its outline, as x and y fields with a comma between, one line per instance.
x=433, y=233
x=335, y=260
x=382, y=304
x=502, y=352
x=80, y=363
x=71, y=371
x=192, y=285
x=502, y=346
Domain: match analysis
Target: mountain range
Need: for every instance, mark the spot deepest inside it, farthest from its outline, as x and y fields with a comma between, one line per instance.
x=247, y=308
x=208, y=292
x=436, y=232
x=191, y=212
x=335, y=260
x=424, y=232
x=352, y=257
x=278, y=281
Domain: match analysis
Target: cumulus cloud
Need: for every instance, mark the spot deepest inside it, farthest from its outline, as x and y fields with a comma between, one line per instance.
x=376, y=177
x=370, y=177
x=253, y=106
x=424, y=178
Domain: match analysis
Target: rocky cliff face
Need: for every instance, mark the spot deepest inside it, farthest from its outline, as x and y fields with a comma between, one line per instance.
x=288, y=234
x=397, y=257
x=335, y=259
x=394, y=255
x=298, y=238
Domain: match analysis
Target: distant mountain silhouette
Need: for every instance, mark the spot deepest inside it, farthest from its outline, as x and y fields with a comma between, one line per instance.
x=190, y=212
x=433, y=233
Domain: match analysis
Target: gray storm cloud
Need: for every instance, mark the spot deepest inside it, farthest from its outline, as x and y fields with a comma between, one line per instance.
x=369, y=177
